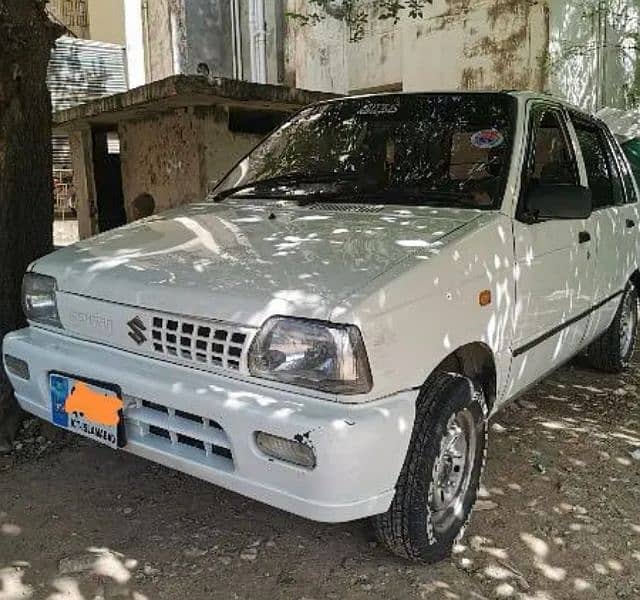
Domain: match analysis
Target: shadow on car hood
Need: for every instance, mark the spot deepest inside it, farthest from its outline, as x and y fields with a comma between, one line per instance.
x=242, y=262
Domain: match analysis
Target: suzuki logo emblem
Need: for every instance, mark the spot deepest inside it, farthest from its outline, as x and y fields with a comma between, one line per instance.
x=137, y=328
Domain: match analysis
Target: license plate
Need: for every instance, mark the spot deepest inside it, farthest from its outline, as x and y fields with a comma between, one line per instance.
x=90, y=409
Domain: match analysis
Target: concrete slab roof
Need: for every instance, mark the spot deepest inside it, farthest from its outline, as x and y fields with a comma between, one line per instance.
x=183, y=91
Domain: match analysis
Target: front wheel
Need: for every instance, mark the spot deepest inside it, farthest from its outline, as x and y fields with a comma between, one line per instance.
x=438, y=485
x=613, y=350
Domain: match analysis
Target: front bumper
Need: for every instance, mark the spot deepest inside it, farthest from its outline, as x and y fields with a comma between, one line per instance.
x=204, y=424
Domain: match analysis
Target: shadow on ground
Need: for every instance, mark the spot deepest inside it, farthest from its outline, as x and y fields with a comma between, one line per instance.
x=559, y=518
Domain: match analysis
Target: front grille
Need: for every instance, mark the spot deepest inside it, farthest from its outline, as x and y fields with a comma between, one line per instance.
x=205, y=343
x=179, y=432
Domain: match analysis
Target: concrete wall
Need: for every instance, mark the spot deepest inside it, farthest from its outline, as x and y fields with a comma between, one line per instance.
x=593, y=57
x=316, y=57
x=106, y=21
x=159, y=26
x=134, y=30
x=208, y=37
x=175, y=36
x=177, y=156
x=486, y=44
x=459, y=44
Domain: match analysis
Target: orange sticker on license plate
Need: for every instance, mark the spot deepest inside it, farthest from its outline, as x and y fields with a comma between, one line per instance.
x=90, y=410
x=101, y=408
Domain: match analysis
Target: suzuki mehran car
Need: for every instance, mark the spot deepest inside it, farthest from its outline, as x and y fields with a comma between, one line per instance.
x=329, y=332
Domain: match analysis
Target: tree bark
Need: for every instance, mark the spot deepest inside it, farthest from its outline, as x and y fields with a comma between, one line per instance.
x=26, y=202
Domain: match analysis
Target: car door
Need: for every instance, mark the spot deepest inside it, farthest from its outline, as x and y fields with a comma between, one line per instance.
x=612, y=223
x=553, y=258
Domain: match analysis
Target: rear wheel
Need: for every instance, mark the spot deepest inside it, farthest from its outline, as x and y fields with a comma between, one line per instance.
x=438, y=484
x=613, y=350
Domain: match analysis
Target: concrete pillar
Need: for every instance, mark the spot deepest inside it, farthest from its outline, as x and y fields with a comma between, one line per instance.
x=81, y=142
x=134, y=28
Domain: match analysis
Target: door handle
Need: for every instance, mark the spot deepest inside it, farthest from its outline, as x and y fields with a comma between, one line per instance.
x=630, y=223
x=584, y=237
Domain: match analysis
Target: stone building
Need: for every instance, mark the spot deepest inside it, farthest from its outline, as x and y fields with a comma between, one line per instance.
x=583, y=50
x=226, y=38
x=178, y=136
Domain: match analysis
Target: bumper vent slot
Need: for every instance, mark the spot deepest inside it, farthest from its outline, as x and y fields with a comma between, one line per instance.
x=178, y=432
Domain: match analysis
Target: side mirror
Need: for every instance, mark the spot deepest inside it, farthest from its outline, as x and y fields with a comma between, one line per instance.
x=559, y=201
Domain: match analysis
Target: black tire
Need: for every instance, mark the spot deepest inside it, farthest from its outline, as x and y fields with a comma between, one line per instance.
x=412, y=528
x=607, y=352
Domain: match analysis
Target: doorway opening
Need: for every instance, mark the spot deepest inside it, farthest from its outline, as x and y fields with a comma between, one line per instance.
x=108, y=179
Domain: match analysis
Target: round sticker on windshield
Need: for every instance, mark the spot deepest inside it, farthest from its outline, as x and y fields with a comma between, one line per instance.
x=487, y=139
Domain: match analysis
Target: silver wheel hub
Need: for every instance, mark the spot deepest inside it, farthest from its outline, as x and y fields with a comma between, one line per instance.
x=628, y=323
x=453, y=468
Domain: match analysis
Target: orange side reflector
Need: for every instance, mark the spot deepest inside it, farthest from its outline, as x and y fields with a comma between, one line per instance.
x=97, y=408
x=484, y=298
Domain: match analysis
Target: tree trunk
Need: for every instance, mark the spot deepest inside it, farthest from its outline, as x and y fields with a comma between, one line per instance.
x=26, y=204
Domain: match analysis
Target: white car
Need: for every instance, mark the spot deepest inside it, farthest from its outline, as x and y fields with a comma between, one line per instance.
x=330, y=331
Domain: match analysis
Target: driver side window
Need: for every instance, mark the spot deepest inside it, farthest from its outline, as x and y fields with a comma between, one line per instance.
x=551, y=159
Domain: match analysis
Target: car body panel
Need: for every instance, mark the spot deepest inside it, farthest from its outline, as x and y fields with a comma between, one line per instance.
x=419, y=282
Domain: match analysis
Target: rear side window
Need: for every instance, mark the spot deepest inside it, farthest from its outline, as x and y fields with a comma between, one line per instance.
x=604, y=180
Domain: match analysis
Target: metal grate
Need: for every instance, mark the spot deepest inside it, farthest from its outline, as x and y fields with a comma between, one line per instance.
x=183, y=433
x=84, y=70
x=209, y=344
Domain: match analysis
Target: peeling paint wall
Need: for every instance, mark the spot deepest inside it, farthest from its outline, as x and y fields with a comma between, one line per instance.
x=459, y=44
x=494, y=44
x=316, y=57
x=176, y=156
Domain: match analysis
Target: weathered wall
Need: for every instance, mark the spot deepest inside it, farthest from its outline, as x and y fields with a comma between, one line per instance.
x=593, y=57
x=178, y=155
x=316, y=57
x=163, y=21
x=481, y=44
x=220, y=148
x=208, y=35
x=459, y=44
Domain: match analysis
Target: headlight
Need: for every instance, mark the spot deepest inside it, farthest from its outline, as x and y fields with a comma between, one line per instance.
x=39, y=299
x=313, y=354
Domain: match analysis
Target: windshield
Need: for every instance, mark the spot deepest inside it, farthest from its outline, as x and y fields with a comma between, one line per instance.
x=443, y=149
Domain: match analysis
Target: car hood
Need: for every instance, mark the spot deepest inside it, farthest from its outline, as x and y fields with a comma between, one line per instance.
x=242, y=262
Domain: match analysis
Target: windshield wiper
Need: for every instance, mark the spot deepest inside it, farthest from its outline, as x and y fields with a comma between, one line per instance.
x=286, y=180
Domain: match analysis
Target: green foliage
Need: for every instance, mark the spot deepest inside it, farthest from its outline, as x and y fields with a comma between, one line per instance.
x=356, y=14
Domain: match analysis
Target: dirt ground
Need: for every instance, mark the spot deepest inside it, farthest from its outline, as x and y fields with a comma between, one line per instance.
x=559, y=518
